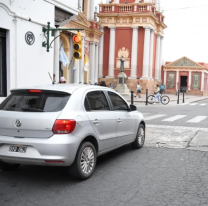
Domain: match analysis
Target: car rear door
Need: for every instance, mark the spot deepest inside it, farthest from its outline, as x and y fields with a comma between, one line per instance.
x=102, y=119
x=31, y=113
x=125, y=120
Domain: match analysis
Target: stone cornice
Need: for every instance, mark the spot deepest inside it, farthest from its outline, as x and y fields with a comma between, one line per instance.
x=133, y=15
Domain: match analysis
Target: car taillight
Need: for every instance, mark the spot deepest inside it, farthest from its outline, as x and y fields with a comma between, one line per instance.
x=63, y=126
x=34, y=90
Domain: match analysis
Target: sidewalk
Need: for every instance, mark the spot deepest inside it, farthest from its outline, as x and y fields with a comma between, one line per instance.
x=188, y=98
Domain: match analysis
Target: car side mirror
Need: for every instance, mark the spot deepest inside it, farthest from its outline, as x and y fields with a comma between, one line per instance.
x=133, y=107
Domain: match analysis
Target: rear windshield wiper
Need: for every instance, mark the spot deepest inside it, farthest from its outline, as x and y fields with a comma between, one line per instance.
x=32, y=109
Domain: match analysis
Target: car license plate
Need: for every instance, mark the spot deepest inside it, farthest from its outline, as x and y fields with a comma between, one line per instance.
x=18, y=148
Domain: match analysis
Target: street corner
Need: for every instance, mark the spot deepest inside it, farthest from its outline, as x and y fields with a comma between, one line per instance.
x=199, y=141
x=170, y=138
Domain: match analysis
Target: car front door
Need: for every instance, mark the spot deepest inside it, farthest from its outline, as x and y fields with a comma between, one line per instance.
x=102, y=119
x=125, y=119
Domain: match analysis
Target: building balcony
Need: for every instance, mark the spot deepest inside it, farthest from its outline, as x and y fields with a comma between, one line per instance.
x=130, y=8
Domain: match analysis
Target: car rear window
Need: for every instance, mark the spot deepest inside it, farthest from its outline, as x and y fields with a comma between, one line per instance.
x=42, y=101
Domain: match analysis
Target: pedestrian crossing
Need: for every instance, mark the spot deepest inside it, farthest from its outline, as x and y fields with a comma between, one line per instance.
x=194, y=104
x=174, y=118
x=162, y=117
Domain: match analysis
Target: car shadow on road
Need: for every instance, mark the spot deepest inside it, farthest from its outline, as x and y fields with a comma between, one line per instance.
x=59, y=175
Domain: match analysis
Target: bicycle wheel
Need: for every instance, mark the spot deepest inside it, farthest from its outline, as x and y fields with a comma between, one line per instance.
x=151, y=99
x=165, y=100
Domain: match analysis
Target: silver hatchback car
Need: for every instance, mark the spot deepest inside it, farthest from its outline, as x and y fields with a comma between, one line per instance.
x=66, y=125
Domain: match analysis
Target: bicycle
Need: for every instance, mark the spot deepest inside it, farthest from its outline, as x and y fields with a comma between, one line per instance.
x=164, y=99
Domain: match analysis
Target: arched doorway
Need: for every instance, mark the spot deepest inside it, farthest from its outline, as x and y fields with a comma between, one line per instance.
x=66, y=46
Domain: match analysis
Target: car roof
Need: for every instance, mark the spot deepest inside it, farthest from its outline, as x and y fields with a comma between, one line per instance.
x=69, y=88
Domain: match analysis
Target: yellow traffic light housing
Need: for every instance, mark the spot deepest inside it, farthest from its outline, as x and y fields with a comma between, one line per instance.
x=77, y=39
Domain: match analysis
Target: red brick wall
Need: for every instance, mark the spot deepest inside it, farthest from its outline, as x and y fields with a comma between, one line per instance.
x=123, y=39
x=140, y=52
x=106, y=51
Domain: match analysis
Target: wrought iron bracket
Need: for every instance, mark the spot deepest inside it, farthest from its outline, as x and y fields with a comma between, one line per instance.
x=47, y=30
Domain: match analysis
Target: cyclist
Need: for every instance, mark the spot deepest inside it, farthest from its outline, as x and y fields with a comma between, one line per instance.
x=157, y=94
x=139, y=90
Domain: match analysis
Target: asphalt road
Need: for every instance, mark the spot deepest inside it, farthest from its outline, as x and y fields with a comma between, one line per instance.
x=146, y=177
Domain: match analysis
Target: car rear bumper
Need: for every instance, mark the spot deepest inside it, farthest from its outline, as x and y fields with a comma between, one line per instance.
x=59, y=148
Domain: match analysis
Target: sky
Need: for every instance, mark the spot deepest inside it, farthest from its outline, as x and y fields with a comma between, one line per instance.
x=187, y=29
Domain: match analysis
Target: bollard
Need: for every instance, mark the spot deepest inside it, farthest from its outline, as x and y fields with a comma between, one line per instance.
x=146, y=96
x=178, y=96
x=132, y=97
x=183, y=95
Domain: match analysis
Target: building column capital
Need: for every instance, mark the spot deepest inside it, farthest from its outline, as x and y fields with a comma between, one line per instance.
x=147, y=28
x=135, y=27
x=92, y=42
x=112, y=27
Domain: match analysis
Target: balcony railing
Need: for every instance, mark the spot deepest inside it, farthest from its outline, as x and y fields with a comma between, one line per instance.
x=131, y=8
x=125, y=8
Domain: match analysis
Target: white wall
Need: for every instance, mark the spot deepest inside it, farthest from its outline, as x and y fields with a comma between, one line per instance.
x=27, y=65
x=67, y=5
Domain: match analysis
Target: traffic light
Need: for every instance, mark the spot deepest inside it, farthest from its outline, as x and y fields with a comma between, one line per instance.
x=77, y=39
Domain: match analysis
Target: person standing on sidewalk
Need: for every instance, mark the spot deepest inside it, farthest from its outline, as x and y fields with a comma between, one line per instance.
x=138, y=89
x=157, y=94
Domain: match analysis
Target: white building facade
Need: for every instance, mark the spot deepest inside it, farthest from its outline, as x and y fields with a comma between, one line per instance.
x=24, y=62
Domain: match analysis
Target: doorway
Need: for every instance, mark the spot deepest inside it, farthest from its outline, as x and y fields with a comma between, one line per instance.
x=3, y=70
x=183, y=83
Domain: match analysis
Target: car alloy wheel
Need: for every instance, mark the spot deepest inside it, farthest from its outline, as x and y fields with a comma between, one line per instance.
x=87, y=160
x=140, y=137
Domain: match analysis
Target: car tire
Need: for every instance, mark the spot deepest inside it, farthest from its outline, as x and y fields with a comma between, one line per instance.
x=85, y=162
x=140, y=137
x=8, y=166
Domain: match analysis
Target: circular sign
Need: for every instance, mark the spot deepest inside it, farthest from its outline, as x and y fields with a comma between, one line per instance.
x=29, y=38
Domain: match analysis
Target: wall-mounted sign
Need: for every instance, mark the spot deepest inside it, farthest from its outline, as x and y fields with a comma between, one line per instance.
x=29, y=38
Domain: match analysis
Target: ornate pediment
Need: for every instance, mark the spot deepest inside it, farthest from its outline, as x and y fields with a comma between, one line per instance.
x=82, y=19
x=184, y=62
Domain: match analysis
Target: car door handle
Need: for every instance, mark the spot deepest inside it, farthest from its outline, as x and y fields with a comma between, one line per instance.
x=96, y=121
x=119, y=120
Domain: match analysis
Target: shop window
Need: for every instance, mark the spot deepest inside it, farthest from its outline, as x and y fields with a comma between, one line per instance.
x=3, y=83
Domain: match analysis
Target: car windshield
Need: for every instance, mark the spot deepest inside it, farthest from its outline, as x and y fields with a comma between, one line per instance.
x=43, y=101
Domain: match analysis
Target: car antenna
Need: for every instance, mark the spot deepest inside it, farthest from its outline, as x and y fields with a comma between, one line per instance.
x=53, y=81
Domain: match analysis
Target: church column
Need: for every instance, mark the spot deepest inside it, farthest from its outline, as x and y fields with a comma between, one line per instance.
x=92, y=9
x=92, y=63
x=177, y=80
x=111, y=53
x=96, y=62
x=161, y=49
x=100, y=71
x=145, y=72
x=189, y=81
x=202, y=81
x=56, y=55
x=81, y=71
x=165, y=78
x=76, y=70
x=157, y=63
x=151, y=52
x=134, y=53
